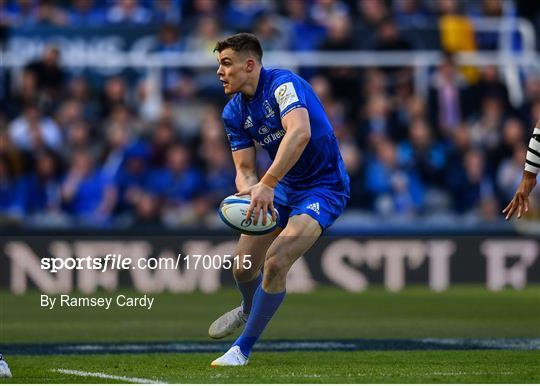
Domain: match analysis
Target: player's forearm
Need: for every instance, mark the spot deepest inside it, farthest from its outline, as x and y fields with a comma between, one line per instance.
x=245, y=179
x=291, y=148
x=532, y=160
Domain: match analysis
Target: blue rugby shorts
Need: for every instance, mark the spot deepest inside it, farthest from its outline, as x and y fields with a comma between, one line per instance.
x=323, y=204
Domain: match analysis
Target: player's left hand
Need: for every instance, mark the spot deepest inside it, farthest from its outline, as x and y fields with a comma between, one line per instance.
x=520, y=202
x=262, y=199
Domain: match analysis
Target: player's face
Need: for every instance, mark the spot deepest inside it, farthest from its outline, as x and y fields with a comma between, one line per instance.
x=232, y=71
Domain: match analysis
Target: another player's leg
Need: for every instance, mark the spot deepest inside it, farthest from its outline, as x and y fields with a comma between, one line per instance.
x=247, y=281
x=4, y=368
x=301, y=232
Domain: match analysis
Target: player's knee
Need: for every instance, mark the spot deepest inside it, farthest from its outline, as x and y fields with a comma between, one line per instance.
x=275, y=267
x=245, y=272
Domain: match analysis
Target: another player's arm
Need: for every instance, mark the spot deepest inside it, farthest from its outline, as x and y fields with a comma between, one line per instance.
x=520, y=202
x=297, y=135
x=246, y=169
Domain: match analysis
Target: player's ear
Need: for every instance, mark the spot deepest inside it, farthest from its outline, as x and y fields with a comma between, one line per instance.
x=250, y=64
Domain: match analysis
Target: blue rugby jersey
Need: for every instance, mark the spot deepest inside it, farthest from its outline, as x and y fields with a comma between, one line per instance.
x=259, y=120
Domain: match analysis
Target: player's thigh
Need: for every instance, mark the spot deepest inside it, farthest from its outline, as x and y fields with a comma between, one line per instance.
x=324, y=205
x=254, y=248
x=301, y=232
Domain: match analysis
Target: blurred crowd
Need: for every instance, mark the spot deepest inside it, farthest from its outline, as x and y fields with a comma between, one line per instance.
x=79, y=152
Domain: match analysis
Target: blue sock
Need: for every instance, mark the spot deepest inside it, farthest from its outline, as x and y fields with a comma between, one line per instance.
x=265, y=306
x=248, y=289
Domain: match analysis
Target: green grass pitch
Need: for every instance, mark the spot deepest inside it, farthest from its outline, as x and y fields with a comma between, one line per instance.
x=327, y=313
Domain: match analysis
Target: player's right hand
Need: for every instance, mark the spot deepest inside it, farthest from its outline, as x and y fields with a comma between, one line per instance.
x=262, y=200
x=520, y=202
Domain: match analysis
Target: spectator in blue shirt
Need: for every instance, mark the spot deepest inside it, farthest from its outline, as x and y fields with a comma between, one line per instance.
x=411, y=13
x=128, y=12
x=42, y=188
x=79, y=90
x=86, y=192
x=42, y=193
x=179, y=182
x=11, y=197
x=174, y=81
x=469, y=183
x=167, y=11
x=163, y=134
x=120, y=132
x=133, y=177
x=49, y=14
x=378, y=121
x=240, y=15
x=115, y=94
x=396, y=191
x=422, y=154
x=306, y=34
x=85, y=13
x=22, y=13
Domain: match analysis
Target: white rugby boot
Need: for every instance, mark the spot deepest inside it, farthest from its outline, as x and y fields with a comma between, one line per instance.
x=4, y=368
x=233, y=357
x=227, y=323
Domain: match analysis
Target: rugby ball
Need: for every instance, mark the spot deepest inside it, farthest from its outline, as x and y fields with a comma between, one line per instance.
x=233, y=210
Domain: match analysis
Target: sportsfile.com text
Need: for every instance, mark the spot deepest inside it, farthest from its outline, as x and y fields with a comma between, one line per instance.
x=119, y=262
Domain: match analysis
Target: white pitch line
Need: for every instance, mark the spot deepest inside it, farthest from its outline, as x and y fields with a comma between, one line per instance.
x=106, y=376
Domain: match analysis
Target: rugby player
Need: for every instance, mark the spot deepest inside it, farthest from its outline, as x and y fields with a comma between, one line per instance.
x=307, y=182
x=520, y=202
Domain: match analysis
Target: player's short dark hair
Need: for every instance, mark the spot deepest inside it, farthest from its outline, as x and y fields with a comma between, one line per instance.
x=241, y=42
